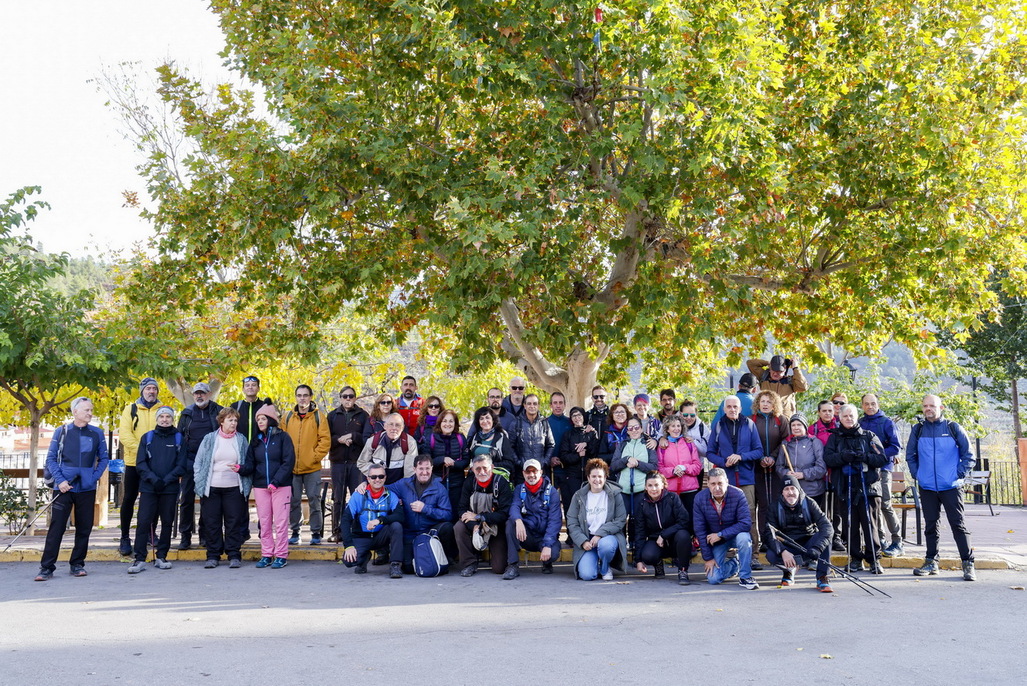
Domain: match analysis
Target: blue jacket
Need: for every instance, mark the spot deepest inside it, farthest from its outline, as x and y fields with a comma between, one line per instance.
x=744, y=398
x=884, y=427
x=938, y=454
x=437, y=507
x=509, y=416
x=271, y=461
x=559, y=426
x=733, y=519
x=540, y=518
x=750, y=448
x=84, y=457
x=362, y=508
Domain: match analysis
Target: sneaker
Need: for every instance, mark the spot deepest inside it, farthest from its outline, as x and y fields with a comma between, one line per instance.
x=894, y=550
x=315, y=540
x=186, y=543
x=360, y=569
x=838, y=546
x=125, y=547
x=279, y=562
x=511, y=573
x=234, y=563
x=380, y=558
x=748, y=583
x=929, y=568
x=161, y=563
x=44, y=575
x=263, y=562
x=823, y=585
x=136, y=567
x=395, y=571
x=756, y=565
x=469, y=570
x=854, y=566
x=660, y=570
x=547, y=567
x=969, y=573
x=294, y=539
x=79, y=571
x=788, y=579
x=608, y=576
x=683, y=579
x=876, y=568
x=210, y=564
x=334, y=538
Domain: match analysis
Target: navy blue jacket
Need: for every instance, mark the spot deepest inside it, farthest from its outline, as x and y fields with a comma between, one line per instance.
x=733, y=519
x=162, y=460
x=664, y=517
x=884, y=427
x=83, y=460
x=750, y=448
x=938, y=454
x=559, y=425
x=540, y=518
x=270, y=459
x=439, y=447
x=437, y=508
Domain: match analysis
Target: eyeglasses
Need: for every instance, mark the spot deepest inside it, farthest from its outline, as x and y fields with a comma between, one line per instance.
x=495, y=397
x=434, y=407
x=384, y=402
x=516, y=388
x=598, y=397
x=634, y=428
x=683, y=414
x=348, y=396
x=375, y=477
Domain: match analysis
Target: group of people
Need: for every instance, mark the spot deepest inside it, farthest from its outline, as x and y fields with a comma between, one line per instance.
x=621, y=478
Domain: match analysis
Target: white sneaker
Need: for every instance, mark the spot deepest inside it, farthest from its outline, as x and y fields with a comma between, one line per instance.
x=608, y=576
x=136, y=567
x=162, y=564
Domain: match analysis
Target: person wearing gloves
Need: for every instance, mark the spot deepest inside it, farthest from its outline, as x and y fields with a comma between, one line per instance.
x=802, y=456
x=161, y=461
x=223, y=491
x=139, y=416
x=808, y=532
x=270, y=458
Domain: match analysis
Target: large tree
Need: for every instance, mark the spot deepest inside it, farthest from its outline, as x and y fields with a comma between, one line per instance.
x=566, y=183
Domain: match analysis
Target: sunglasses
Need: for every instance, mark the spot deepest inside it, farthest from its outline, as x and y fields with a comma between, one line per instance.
x=348, y=396
x=634, y=428
x=687, y=415
x=434, y=407
x=838, y=402
x=385, y=402
x=375, y=477
x=516, y=388
x=598, y=397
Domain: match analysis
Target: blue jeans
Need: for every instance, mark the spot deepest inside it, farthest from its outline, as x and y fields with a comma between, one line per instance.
x=596, y=562
x=741, y=565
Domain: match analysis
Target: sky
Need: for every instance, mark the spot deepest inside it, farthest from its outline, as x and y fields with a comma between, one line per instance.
x=56, y=132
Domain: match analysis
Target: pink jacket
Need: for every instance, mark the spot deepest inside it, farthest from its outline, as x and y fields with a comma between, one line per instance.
x=818, y=430
x=684, y=453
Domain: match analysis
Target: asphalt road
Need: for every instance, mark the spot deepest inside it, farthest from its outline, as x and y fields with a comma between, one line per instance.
x=317, y=622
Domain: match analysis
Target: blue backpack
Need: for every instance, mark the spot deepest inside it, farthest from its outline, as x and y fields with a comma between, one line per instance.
x=429, y=557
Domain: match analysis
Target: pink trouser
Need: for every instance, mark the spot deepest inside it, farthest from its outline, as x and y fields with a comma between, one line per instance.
x=273, y=514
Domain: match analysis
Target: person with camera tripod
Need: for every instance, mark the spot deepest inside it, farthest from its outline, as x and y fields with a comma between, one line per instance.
x=855, y=456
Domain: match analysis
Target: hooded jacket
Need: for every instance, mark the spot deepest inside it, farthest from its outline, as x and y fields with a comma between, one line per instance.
x=361, y=509
x=616, y=517
x=132, y=428
x=746, y=444
x=161, y=460
x=884, y=427
x=270, y=459
x=853, y=453
x=664, y=517
x=541, y=512
x=680, y=452
x=807, y=456
x=821, y=431
x=310, y=438
x=437, y=507
x=938, y=454
x=804, y=522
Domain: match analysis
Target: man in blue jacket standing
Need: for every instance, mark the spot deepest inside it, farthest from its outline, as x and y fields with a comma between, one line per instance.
x=77, y=458
x=535, y=520
x=721, y=519
x=939, y=457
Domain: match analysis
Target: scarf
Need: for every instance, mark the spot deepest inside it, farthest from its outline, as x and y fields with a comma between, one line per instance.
x=536, y=488
x=224, y=435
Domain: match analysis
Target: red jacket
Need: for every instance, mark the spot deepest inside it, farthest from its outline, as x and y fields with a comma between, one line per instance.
x=411, y=413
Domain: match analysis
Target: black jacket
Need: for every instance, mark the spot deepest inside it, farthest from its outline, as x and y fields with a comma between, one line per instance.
x=439, y=447
x=271, y=459
x=247, y=411
x=500, y=488
x=195, y=423
x=161, y=460
x=340, y=425
x=805, y=523
x=572, y=462
x=665, y=517
x=851, y=453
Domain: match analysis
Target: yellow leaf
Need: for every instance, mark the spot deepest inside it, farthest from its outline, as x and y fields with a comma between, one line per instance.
x=825, y=656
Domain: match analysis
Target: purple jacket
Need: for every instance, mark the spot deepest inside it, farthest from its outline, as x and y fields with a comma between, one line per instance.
x=731, y=520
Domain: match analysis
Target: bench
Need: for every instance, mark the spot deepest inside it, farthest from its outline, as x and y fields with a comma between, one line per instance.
x=904, y=496
x=977, y=483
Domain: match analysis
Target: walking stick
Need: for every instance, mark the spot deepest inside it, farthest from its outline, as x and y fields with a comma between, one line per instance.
x=788, y=459
x=866, y=586
x=34, y=519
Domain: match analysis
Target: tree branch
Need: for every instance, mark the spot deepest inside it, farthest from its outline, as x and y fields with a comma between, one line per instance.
x=625, y=265
x=527, y=357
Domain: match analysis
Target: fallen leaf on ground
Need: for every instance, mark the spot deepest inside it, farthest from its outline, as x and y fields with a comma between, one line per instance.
x=1016, y=588
x=825, y=656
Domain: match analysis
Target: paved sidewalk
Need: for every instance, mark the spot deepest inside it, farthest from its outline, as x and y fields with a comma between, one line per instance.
x=1000, y=542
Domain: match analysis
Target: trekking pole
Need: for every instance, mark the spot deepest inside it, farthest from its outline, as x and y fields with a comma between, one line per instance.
x=869, y=532
x=867, y=587
x=34, y=519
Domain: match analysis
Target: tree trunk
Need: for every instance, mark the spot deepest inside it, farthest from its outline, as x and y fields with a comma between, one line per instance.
x=1017, y=429
x=183, y=391
x=35, y=416
x=575, y=378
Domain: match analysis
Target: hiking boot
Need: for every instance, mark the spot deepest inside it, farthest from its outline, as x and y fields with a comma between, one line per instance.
x=125, y=547
x=756, y=565
x=824, y=585
x=547, y=567
x=136, y=567
x=838, y=546
x=315, y=540
x=894, y=550
x=788, y=578
x=683, y=579
x=295, y=538
x=395, y=571
x=469, y=570
x=380, y=558
x=854, y=566
x=210, y=564
x=234, y=563
x=360, y=568
x=969, y=573
x=186, y=543
x=161, y=563
x=748, y=583
x=44, y=575
x=79, y=571
x=511, y=573
x=876, y=568
x=279, y=563
x=659, y=570
x=263, y=562
x=929, y=568
x=334, y=538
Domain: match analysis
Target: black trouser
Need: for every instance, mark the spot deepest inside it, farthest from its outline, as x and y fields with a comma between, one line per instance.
x=532, y=541
x=678, y=548
x=857, y=521
x=569, y=484
x=187, y=508
x=767, y=483
x=130, y=484
x=952, y=500
x=822, y=561
x=388, y=537
x=837, y=515
x=688, y=500
x=345, y=475
x=82, y=503
x=469, y=556
x=446, y=538
x=154, y=506
x=223, y=511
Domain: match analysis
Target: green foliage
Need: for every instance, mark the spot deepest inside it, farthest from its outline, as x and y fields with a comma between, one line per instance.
x=14, y=507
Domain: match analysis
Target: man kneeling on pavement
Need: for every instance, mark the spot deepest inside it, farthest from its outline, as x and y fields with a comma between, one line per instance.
x=720, y=515
x=535, y=520
x=797, y=533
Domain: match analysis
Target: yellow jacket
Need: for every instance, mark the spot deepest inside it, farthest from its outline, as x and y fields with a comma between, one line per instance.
x=310, y=438
x=133, y=429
